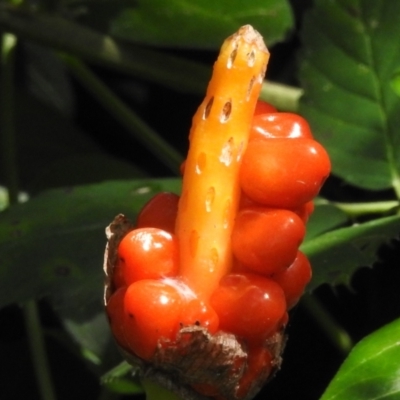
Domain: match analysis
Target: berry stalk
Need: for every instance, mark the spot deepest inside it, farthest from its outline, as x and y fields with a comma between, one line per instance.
x=218, y=139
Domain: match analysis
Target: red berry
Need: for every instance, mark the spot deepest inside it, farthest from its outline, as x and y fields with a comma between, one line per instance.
x=249, y=305
x=259, y=361
x=279, y=125
x=115, y=313
x=151, y=315
x=197, y=312
x=283, y=173
x=206, y=390
x=305, y=211
x=266, y=240
x=262, y=107
x=294, y=279
x=146, y=253
x=160, y=212
x=117, y=275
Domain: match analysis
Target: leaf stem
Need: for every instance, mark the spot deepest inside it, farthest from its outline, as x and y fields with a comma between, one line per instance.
x=360, y=209
x=7, y=124
x=127, y=117
x=335, y=333
x=283, y=97
x=396, y=181
x=156, y=392
x=118, y=371
x=38, y=350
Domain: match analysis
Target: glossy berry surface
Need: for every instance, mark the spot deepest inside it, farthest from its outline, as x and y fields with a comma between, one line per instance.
x=151, y=315
x=146, y=253
x=266, y=240
x=305, y=211
x=115, y=313
x=159, y=212
x=279, y=125
x=262, y=107
x=199, y=313
x=294, y=279
x=283, y=173
x=259, y=359
x=249, y=305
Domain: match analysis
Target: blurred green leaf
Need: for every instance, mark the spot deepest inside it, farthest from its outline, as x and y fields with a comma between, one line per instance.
x=395, y=82
x=92, y=334
x=54, y=244
x=336, y=255
x=44, y=137
x=47, y=78
x=59, y=33
x=83, y=169
x=201, y=24
x=348, y=62
x=372, y=369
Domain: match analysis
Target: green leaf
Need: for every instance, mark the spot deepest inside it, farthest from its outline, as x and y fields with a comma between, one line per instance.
x=54, y=244
x=336, y=255
x=350, y=57
x=372, y=369
x=201, y=24
x=84, y=169
x=325, y=218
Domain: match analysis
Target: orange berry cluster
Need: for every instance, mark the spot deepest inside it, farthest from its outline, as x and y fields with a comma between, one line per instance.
x=282, y=170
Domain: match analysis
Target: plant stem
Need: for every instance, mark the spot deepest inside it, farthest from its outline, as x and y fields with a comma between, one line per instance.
x=8, y=154
x=360, y=209
x=336, y=334
x=120, y=370
x=38, y=350
x=127, y=117
x=156, y=392
x=283, y=97
x=7, y=125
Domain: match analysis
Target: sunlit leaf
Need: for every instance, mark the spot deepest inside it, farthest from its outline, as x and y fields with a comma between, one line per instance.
x=372, y=369
x=336, y=255
x=349, y=59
